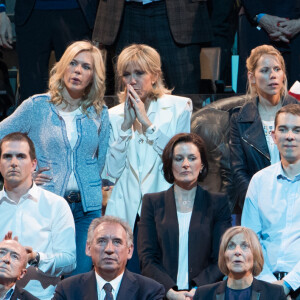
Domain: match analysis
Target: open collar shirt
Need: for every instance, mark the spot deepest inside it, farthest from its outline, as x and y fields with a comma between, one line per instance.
x=272, y=210
x=43, y=221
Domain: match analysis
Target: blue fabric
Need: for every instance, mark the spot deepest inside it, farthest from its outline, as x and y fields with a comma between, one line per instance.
x=82, y=223
x=244, y=294
x=41, y=121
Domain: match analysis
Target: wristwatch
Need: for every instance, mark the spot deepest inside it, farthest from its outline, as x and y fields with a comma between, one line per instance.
x=35, y=262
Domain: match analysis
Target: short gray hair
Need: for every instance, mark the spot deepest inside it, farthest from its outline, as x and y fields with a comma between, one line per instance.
x=113, y=220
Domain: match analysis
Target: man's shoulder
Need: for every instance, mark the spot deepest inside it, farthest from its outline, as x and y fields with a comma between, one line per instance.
x=76, y=282
x=145, y=286
x=50, y=196
x=267, y=173
x=22, y=295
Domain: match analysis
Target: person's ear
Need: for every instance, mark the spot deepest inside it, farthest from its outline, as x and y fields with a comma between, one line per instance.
x=251, y=77
x=274, y=136
x=88, y=249
x=34, y=164
x=22, y=274
x=130, y=252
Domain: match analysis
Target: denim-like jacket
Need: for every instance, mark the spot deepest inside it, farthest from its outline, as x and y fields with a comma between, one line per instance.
x=40, y=119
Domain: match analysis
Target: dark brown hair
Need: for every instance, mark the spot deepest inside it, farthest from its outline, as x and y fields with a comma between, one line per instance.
x=19, y=136
x=167, y=156
x=293, y=109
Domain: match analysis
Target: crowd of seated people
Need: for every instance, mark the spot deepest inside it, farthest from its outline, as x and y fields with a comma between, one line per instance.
x=144, y=147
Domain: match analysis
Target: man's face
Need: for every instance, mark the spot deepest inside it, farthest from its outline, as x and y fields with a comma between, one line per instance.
x=16, y=165
x=287, y=137
x=12, y=261
x=109, y=250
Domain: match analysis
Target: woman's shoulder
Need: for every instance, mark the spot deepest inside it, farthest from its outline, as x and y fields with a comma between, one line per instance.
x=158, y=196
x=208, y=290
x=271, y=288
x=173, y=99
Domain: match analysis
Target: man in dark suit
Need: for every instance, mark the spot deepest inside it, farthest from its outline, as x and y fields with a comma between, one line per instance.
x=110, y=244
x=43, y=26
x=272, y=22
x=13, y=260
x=175, y=28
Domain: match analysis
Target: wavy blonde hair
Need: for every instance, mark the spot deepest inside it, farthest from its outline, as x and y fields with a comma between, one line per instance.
x=251, y=64
x=94, y=92
x=146, y=58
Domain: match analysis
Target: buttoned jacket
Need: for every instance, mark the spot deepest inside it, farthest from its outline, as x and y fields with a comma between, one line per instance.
x=40, y=119
x=136, y=179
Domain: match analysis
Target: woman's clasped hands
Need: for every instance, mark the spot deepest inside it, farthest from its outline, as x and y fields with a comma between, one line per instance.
x=134, y=109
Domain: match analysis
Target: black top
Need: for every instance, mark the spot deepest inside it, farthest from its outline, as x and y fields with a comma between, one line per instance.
x=244, y=294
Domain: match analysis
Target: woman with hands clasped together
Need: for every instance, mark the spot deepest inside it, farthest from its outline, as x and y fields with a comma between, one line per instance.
x=180, y=228
x=140, y=127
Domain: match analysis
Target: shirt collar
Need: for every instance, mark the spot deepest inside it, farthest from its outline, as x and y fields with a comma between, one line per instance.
x=281, y=174
x=115, y=283
x=32, y=194
x=9, y=293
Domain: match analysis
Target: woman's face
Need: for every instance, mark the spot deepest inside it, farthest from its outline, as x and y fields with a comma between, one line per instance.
x=238, y=256
x=79, y=74
x=268, y=76
x=141, y=81
x=186, y=165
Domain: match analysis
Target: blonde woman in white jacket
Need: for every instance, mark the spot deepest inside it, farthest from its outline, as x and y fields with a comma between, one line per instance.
x=140, y=127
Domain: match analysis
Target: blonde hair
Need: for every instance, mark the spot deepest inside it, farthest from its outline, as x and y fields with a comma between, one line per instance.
x=146, y=58
x=94, y=92
x=252, y=240
x=251, y=64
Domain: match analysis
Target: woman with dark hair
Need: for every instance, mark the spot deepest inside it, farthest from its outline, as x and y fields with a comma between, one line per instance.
x=240, y=258
x=180, y=229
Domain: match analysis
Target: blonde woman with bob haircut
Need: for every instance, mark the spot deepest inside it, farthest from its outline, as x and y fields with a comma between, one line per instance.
x=70, y=129
x=141, y=126
x=251, y=145
x=240, y=258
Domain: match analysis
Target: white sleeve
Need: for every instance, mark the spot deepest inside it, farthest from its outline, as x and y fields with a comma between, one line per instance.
x=116, y=153
x=62, y=258
x=251, y=219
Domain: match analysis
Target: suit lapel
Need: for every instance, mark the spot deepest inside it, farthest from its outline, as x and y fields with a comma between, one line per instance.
x=90, y=286
x=162, y=120
x=220, y=292
x=128, y=288
x=173, y=232
x=255, y=290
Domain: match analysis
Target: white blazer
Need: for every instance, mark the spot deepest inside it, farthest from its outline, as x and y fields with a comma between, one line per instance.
x=170, y=115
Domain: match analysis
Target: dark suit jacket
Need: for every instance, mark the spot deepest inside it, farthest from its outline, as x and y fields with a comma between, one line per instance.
x=261, y=290
x=188, y=19
x=22, y=295
x=23, y=10
x=249, y=150
x=158, y=237
x=133, y=287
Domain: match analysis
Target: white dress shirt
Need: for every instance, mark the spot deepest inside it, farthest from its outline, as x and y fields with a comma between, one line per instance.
x=43, y=221
x=272, y=210
x=115, y=283
x=184, y=220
